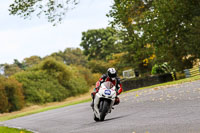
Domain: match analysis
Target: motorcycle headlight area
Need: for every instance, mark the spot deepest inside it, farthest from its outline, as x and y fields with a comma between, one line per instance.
x=107, y=93
x=106, y=96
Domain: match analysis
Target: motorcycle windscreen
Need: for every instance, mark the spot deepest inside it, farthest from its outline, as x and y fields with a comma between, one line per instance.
x=108, y=84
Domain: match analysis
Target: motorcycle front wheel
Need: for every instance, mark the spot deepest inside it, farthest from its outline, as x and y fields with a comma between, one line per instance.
x=104, y=109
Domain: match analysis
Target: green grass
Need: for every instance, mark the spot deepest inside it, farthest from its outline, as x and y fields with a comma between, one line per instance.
x=4, y=118
x=12, y=130
x=169, y=83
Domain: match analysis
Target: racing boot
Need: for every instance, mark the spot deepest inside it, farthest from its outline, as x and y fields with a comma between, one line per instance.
x=92, y=104
x=93, y=96
x=117, y=101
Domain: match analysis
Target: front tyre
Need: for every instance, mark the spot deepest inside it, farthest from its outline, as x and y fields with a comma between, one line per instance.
x=104, y=109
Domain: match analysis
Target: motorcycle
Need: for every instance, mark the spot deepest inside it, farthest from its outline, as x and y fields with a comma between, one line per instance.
x=104, y=100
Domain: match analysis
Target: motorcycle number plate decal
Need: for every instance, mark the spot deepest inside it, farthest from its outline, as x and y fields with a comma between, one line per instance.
x=107, y=92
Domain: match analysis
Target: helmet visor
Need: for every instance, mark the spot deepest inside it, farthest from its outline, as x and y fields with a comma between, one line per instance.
x=112, y=75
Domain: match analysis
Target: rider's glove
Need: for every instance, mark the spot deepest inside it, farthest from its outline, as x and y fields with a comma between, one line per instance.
x=117, y=93
x=97, y=89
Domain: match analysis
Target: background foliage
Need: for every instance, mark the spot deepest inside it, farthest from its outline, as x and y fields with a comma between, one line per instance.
x=11, y=95
x=163, y=25
x=50, y=81
x=54, y=11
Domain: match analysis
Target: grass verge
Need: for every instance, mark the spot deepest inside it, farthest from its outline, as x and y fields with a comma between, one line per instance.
x=12, y=130
x=8, y=117
x=41, y=108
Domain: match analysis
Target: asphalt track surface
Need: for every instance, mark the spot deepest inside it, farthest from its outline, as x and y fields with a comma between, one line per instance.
x=171, y=109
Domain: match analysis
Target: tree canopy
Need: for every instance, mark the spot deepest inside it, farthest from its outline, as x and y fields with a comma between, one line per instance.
x=100, y=43
x=53, y=10
x=162, y=28
x=71, y=56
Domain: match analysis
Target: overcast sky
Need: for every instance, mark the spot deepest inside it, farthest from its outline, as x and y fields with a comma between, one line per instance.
x=21, y=38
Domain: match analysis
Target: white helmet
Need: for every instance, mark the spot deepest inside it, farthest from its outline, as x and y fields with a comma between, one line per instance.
x=112, y=73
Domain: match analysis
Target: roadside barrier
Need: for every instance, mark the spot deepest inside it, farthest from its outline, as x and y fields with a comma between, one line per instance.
x=134, y=83
x=192, y=72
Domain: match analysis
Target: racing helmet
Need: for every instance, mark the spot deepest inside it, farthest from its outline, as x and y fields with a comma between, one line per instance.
x=112, y=73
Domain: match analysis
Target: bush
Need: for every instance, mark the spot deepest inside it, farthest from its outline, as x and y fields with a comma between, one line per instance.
x=4, y=106
x=163, y=68
x=96, y=77
x=15, y=94
x=80, y=80
x=88, y=75
x=52, y=81
x=40, y=87
x=156, y=70
x=11, y=95
x=57, y=70
x=77, y=85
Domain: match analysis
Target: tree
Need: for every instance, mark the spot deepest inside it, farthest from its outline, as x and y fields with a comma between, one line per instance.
x=74, y=56
x=164, y=25
x=98, y=66
x=100, y=43
x=70, y=56
x=10, y=69
x=172, y=21
x=19, y=64
x=54, y=10
x=31, y=61
x=127, y=16
x=193, y=38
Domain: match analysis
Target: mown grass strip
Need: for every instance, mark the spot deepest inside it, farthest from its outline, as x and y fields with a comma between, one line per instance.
x=4, y=118
x=12, y=130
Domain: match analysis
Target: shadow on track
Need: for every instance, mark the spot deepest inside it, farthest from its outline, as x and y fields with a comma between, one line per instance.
x=114, y=118
x=107, y=120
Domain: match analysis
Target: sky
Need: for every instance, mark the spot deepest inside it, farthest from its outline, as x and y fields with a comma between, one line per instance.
x=21, y=38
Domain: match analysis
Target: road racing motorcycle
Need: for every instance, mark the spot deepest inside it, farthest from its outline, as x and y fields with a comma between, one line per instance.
x=104, y=100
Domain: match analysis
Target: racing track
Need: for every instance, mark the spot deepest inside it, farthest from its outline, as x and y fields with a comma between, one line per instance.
x=172, y=109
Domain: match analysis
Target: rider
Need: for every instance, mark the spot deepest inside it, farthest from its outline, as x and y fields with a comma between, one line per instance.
x=112, y=77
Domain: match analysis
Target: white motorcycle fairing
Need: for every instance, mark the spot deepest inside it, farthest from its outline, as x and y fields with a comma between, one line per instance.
x=104, y=100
